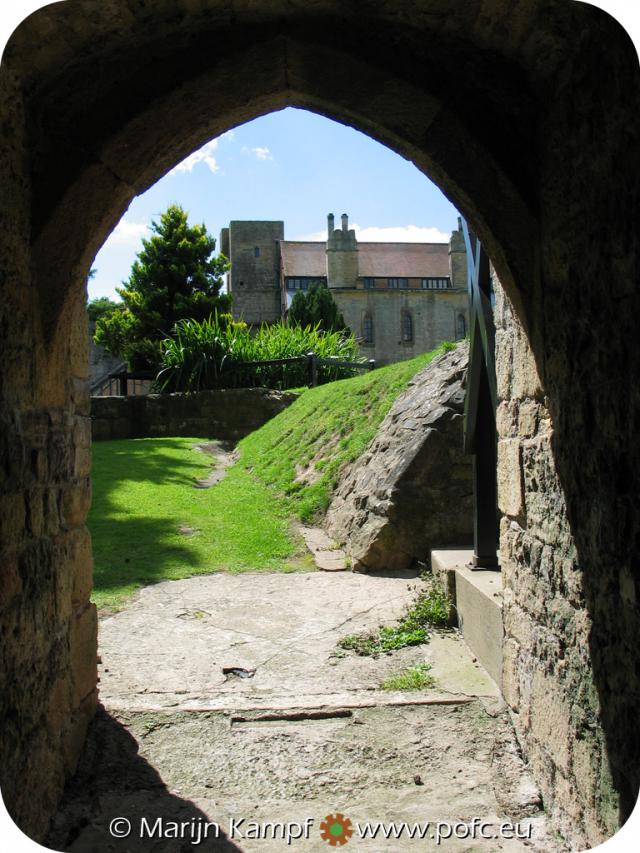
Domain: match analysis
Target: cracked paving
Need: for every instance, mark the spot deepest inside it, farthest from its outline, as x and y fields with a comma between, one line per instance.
x=309, y=733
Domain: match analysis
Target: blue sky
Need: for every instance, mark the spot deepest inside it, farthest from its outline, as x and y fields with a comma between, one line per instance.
x=291, y=165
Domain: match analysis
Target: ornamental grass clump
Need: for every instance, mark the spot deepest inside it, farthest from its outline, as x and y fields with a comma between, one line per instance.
x=210, y=354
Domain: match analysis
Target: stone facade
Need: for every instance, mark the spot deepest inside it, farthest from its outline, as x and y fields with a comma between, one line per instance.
x=226, y=415
x=435, y=317
x=527, y=116
x=412, y=489
x=252, y=248
x=399, y=299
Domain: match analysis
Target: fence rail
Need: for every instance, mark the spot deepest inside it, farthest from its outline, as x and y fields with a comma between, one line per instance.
x=132, y=383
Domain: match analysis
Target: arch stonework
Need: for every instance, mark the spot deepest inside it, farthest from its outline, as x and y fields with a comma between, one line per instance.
x=526, y=115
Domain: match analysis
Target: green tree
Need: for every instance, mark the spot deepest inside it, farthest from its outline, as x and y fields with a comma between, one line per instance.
x=100, y=307
x=316, y=307
x=176, y=276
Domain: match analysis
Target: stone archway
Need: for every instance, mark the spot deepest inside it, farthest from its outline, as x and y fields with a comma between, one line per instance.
x=527, y=118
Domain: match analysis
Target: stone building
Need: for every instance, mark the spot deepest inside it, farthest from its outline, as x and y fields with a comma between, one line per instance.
x=400, y=299
x=527, y=115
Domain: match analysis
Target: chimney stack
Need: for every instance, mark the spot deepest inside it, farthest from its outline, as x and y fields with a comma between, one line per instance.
x=345, y=223
x=330, y=225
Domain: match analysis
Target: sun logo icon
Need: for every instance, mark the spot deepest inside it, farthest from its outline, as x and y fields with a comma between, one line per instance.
x=336, y=829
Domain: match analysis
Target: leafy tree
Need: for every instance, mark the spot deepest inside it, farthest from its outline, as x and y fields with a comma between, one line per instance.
x=100, y=307
x=316, y=307
x=176, y=276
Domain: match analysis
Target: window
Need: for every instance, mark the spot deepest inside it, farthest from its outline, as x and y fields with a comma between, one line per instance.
x=436, y=283
x=395, y=283
x=407, y=327
x=369, y=283
x=297, y=284
x=461, y=327
x=367, y=329
x=256, y=252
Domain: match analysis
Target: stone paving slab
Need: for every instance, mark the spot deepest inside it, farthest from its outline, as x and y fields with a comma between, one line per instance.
x=169, y=647
x=328, y=555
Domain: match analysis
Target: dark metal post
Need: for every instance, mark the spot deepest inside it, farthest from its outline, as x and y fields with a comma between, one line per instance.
x=485, y=523
x=480, y=406
x=122, y=379
x=313, y=369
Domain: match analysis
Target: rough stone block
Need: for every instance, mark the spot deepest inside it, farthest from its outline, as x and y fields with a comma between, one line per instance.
x=550, y=718
x=408, y=494
x=76, y=502
x=509, y=476
x=83, y=644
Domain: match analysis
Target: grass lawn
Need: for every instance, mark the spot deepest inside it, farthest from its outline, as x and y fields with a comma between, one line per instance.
x=143, y=492
x=143, y=489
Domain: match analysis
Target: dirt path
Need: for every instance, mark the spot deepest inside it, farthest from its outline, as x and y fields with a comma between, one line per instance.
x=225, y=698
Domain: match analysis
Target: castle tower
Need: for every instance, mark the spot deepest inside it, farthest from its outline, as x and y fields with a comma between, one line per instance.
x=254, y=279
x=342, y=254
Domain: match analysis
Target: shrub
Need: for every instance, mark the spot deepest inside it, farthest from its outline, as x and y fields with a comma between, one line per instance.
x=209, y=354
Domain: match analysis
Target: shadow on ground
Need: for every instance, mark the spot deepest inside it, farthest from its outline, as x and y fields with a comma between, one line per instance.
x=114, y=781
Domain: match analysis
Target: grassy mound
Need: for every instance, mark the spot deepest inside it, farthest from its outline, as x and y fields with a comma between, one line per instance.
x=301, y=453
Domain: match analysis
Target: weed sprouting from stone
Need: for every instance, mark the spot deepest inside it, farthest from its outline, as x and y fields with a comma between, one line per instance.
x=430, y=610
x=416, y=677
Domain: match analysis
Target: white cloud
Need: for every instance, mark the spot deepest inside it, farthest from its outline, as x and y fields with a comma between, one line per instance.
x=387, y=234
x=260, y=153
x=128, y=233
x=400, y=234
x=205, y=155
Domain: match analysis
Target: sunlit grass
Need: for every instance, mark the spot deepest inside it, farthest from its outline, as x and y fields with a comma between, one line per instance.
x=144, y=496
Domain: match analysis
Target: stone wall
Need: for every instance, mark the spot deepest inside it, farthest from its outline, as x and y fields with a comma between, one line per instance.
x=434, y=315
x=412, y=489
x=547, y=678
x=527, y=116
x=226, y=415
x=47, y=625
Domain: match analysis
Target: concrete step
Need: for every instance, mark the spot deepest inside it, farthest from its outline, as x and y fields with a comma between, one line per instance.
x=477, y=595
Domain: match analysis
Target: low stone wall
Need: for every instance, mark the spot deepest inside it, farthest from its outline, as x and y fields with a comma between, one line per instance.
x=412, y=489
x=227, y=415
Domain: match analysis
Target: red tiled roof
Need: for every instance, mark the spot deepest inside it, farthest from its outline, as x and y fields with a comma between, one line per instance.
x=375, y=260
x=403, y=260
x=303, y=259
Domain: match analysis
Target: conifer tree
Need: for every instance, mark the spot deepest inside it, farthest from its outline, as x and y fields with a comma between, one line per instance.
x=176, y=276
x=316, y=306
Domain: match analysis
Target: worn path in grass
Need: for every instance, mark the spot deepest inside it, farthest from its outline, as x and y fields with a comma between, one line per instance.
x=309, y=733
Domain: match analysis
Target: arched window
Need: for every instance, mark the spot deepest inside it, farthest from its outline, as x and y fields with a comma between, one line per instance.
x=407, y=327
x=461, y=327
x=367, y=329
